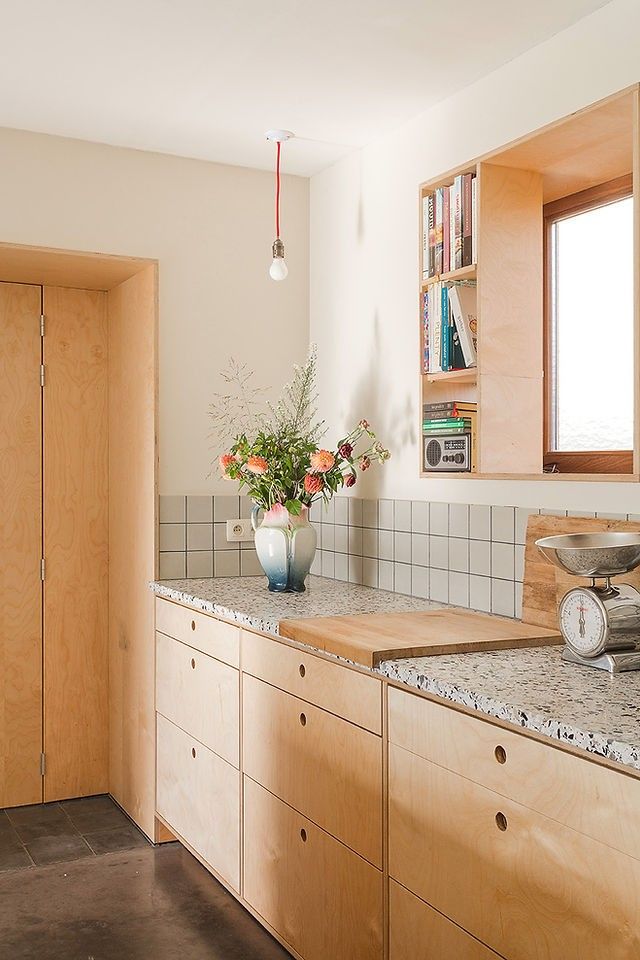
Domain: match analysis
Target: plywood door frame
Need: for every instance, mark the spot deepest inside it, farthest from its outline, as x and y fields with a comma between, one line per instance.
x=97, y=271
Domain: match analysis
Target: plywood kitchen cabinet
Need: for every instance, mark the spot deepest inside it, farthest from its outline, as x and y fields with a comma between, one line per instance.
x=321, y=897
x=72, y=399
x=531, y=878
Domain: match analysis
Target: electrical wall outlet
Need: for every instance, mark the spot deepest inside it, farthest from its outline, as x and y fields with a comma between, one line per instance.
x=239, y=531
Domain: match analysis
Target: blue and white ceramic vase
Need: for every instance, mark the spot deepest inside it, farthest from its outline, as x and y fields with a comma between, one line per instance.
x=286, y=546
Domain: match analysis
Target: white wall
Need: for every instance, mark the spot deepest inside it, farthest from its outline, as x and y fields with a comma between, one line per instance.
x=364, y=216
x=211, y=228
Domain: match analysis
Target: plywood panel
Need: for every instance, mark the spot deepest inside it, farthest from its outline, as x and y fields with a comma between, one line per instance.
x=328, y=769
x=545, y=584
x=591, y=147
x=522, y=883
x=132, y=310
x=581, y=793
x=66, y=268
x=511, y=439
x=75, y=543
x=418, y=932
x=20, y=547
x=199, y=797
x=320, y=897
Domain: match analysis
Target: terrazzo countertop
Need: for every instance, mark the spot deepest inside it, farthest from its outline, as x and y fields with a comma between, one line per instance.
x=532, y=689
x=246, y=600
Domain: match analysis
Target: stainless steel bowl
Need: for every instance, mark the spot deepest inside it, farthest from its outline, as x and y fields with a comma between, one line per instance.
x=593, y=554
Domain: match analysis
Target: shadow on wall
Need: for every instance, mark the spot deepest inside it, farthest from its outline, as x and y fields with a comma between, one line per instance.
x=394, y=424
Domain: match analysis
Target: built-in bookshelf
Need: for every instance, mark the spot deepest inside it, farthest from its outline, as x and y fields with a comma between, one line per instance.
x=512, y=185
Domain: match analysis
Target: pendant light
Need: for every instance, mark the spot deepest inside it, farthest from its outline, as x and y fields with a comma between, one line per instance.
x=278, y=269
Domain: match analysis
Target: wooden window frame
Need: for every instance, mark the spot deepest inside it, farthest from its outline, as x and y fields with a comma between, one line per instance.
x=582, y=461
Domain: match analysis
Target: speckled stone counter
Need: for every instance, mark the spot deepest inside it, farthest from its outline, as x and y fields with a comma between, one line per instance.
x=533, y=689
x=246, y=600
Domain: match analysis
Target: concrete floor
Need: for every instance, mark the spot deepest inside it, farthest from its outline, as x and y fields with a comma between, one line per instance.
x=142, y=903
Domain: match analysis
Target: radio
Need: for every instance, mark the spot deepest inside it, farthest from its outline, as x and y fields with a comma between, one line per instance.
x=447, y=452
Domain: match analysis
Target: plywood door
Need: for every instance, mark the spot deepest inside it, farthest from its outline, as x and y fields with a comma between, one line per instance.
x=75, y=478
x=20, y=546
x=132, y=310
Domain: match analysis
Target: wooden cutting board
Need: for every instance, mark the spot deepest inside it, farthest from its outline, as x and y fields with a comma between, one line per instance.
x=544, y=583
x=370, y=638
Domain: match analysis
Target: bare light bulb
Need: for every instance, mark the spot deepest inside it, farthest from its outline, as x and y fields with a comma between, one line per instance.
x=278, y=269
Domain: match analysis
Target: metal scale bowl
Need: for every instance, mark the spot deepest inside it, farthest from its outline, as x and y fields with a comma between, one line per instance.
x=601, y=623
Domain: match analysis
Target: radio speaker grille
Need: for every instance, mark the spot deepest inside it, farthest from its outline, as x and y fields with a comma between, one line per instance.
x=433, y=453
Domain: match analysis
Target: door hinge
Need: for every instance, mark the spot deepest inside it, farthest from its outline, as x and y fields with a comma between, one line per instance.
x=42, y=374
x=43, y=764
x=42, y=568
x=42, y=324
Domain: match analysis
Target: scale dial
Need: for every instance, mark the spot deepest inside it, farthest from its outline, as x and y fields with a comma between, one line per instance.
x=583, y=622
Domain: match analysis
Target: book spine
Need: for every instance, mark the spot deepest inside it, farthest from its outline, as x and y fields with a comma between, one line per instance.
x=432, y=331
x=436, y=343
x=474, y=221
x=467, y=256
x=449, y=422
x=439, y=230
x=456, y=309
x=432, y=236
x=425, y=331
x=456, y=430
x=458, y=224
x=452, y=227
x=444, y=321
x=425, y=238
x=448, y=408
x=446, y=214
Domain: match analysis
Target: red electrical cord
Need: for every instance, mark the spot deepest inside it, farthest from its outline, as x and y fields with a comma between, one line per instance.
x=278, y=192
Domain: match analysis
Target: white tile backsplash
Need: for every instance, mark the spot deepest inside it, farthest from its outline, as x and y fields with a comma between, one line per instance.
x=468, y=555
x=479, y=522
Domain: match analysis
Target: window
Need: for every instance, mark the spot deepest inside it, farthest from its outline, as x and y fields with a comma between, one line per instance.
x=589, y=331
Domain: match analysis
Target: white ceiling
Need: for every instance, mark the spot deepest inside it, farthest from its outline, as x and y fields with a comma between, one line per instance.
x=206, y=78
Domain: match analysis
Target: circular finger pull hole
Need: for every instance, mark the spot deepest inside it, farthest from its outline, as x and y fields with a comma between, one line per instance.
x=303, y=719
x=500, y=754
x=303, y=835
x=501, y=821
x=302, y=670
x=193, y=624
x=193, y=752
x=193, y=664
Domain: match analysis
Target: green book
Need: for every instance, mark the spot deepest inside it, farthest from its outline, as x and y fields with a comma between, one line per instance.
x=446, y=423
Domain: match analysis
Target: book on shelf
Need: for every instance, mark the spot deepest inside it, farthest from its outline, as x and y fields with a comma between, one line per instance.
x=425, y=331
x=444, y=324
x=463, y=301
x=467, y=422
x=449, y=227
x=467, y=251
x=444, y=409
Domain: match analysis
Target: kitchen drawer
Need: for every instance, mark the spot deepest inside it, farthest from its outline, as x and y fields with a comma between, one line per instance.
x=324, y=900
x=200, y=630
x=328, y=769
x=199, y=694
x=198, y=795
x=417, y=932
x=527, y=886
x=584, y=795
x=345, y=692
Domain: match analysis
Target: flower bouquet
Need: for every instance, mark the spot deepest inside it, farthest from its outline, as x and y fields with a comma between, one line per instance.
x=278, y=459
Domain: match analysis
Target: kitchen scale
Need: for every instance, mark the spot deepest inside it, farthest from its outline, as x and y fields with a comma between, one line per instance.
x=601, y=623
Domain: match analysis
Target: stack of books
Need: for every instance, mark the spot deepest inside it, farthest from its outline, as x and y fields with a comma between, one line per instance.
x=449, y=227
x=451, y=417
x=449, y=327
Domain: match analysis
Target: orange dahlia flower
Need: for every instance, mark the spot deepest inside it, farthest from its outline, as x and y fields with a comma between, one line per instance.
x=313, y=483
x=257, y=465
x=322, y=460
